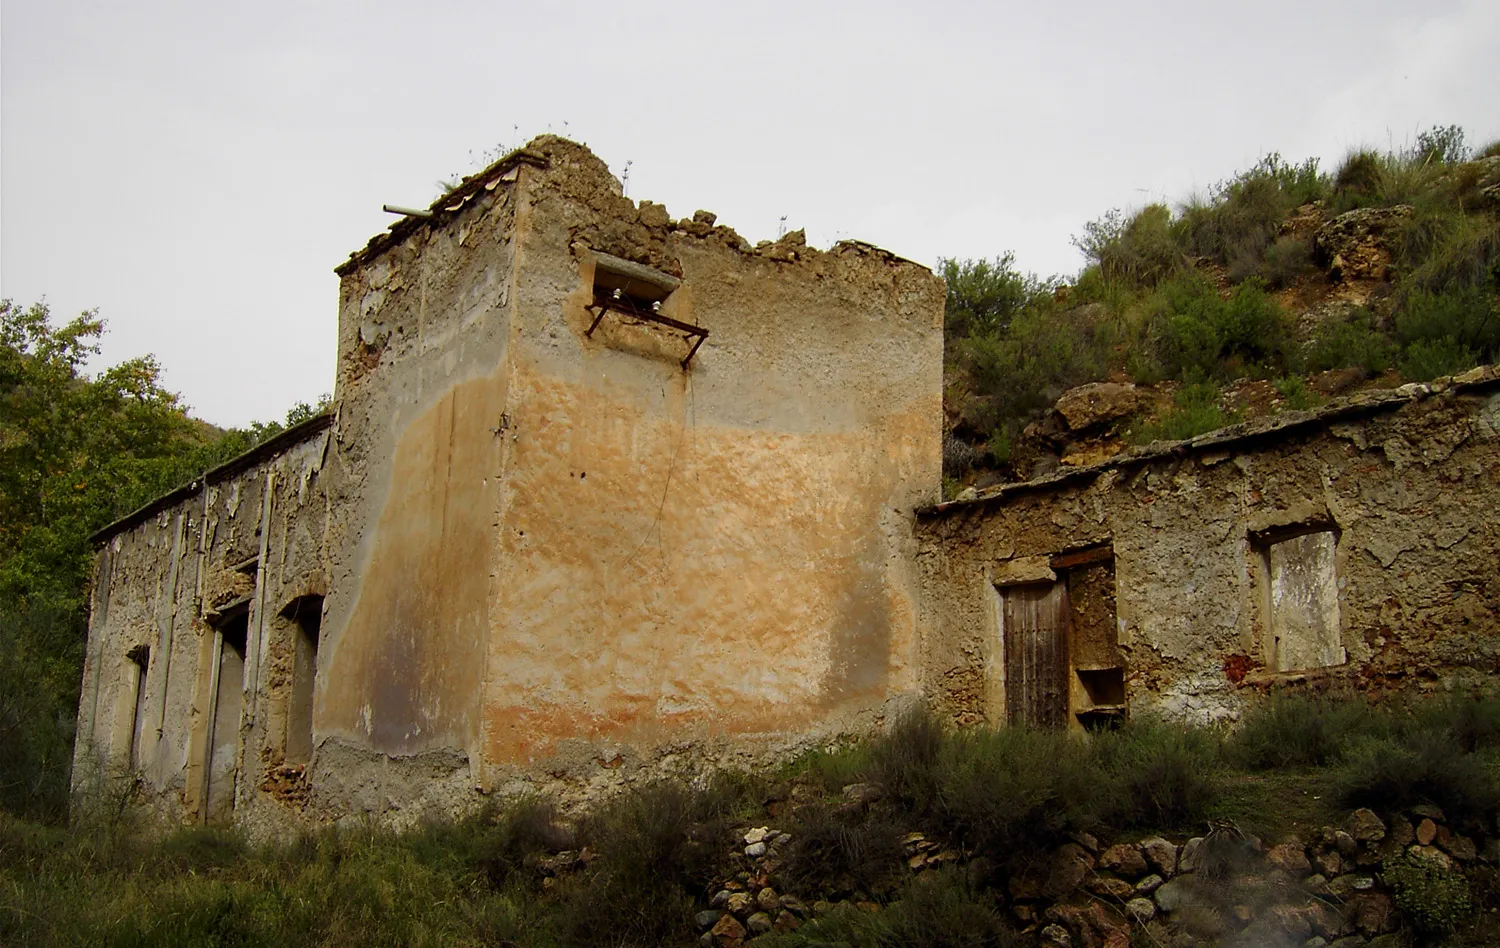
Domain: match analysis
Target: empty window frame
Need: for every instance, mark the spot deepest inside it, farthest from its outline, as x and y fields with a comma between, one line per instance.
x=306, y=614
x=230, y=632
x=637, y=292
x=1300, y=599
x=1098, y=682
x=138, y=663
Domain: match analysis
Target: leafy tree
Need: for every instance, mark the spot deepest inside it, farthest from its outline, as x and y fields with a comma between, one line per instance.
x=76, y=452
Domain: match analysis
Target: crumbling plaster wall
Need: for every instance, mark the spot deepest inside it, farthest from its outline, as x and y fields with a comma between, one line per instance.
x=414, y=487
x=725, y=550
x=550, y=552
x=160, y=579
x=1404, y=479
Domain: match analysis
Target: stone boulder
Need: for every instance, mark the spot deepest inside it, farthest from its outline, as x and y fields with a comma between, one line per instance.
x=1366, y=826
x=1161, y=854
x=727, y=932
x=1097, y=403
x=1125, y=860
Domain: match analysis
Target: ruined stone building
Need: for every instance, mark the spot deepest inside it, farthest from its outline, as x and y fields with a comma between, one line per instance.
x=602, y=494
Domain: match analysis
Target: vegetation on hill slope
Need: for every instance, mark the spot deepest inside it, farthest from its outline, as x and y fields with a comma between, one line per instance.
x=1247, y=283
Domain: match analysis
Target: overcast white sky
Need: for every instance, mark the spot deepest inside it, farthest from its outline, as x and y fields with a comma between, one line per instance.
x=195, y=170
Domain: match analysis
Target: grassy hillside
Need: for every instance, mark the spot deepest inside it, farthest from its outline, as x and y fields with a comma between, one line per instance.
x=1386, y=270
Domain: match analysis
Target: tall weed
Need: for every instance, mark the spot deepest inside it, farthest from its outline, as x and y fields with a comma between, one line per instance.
x=1299, y=731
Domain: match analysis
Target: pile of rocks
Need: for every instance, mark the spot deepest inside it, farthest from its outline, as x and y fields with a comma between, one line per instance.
x=1227, y=888
x=747, y=905
x=1223, y=888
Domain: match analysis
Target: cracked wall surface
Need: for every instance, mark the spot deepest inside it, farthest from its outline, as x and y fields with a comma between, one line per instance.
x=248, y=538
x=562, y=542
x=1395, y=483
x=559, y=558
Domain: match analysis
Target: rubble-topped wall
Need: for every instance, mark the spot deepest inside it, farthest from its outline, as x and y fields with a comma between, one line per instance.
x=557, y=552
x=1348, y=545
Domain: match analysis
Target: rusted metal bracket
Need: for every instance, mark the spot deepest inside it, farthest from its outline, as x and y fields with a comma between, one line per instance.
x=602, y=306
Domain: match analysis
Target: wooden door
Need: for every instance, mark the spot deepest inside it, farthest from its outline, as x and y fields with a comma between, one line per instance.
x=1034, y=627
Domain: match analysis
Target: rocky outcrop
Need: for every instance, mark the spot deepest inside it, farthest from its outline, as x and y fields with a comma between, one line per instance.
x=1097, y=403
x=1356, y=245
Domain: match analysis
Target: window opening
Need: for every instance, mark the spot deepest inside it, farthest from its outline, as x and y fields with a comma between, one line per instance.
x=635, y=291
x=1300, y=599
x=1098, y=683
x=306, y=614
x=140, y=661
x=224, y=744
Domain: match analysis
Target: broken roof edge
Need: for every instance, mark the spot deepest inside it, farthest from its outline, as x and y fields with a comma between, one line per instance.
x=1244, y=433
x=445, y=205
x=537, y=153
x=238, y=464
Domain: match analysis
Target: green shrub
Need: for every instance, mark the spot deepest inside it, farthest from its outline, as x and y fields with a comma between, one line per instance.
x=1161, y=776
x=843, y=927
x=1359, y=177
x=945, y=911
x=1140, y=252
x=1369, y=178
x=1298, y=731
x=1020, y=372
x=1390, y=774
x=1010, y=792
x=998, y=447
x=1444, y=250
x=502, y=844
x=1239, y=221
x=657, y=844
x=1004, y=792
x=1294, y=390
x=1427, y=359
x=1201, y=335
x=1092, y=286
x=985, y=295
x=1351, y=341
x=1286, y=259
x=1196, y=411
x=905, y=759
x=1492, y=150
x=1441, y=144
x=1447, y=332
x=41, y=653
x=1433, y=897
x=1467, y=722
x=838, y=852
x=834, y=769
